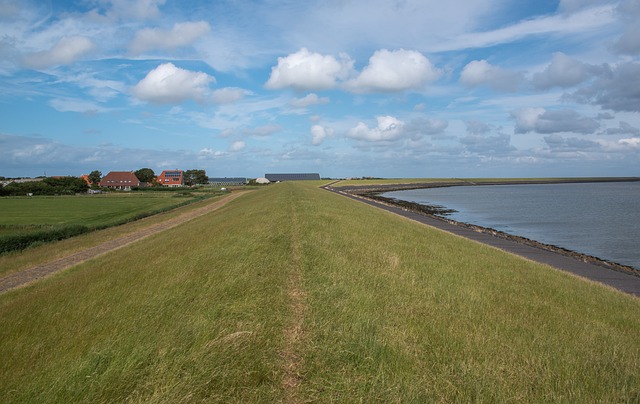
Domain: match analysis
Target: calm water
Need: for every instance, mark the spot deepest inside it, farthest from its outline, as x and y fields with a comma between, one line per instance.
x=599, y=219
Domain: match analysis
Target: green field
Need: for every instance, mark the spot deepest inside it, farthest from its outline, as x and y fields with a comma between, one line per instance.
x=41, y=216
x=295, y=294
x=90, y=210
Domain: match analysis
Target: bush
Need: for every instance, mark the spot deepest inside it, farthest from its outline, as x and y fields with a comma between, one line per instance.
x=20, y=242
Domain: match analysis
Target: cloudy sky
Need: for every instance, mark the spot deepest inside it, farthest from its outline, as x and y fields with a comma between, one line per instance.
x=388, y=88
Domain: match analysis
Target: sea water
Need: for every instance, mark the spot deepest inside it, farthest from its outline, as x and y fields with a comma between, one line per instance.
x=600, y=219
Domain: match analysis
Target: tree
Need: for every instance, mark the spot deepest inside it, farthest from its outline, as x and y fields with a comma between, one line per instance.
x=66, y=185
x=145, y=175
x=95, y=177
x=193, y=177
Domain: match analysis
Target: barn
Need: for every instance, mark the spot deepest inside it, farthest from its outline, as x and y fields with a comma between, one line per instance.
x=292, y=177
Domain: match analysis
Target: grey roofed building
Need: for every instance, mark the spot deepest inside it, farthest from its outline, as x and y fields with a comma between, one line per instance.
x=292, y=177
x=228, y=181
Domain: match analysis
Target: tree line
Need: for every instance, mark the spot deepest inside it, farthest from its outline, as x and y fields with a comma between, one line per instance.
x=76, y=185
x=190, y=177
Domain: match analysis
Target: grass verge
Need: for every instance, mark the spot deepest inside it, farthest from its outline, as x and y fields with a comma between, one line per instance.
x=387, y=310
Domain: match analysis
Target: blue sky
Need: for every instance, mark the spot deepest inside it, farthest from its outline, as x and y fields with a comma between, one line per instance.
x=346, y=88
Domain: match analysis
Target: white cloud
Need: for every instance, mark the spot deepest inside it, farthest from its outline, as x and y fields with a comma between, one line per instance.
x=563, y=71
x=305, y=70
x=481, y=72
x=308, y=100
x=586, y=20
x=228, y=95
x=389, y=128
x=76, y=105
x=390, y=71
x=633, y=142
x=167, y=84
x=319, y=133
x=237, y=146
x=618, y=90
x=67, y=50
x=423, y=126
x=539, y=120
x=182, y=34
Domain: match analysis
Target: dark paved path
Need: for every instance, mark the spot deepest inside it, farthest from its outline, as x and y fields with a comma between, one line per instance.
x=622, y=281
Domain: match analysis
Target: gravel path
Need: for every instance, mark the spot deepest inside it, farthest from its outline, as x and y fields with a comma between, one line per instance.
x=30, y=275
x=620, y=280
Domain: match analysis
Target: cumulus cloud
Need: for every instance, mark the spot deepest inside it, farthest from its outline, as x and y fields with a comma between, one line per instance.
x=478, y=127
x=632, y=143
x=570, y=144
x=498, y=144
x=390, y=71
x=308, y=100
x=562, y=72
x=423, y=126
x=319, y=134
x=481, y=72
x=389, y=128
x=619, y=90
x=228, y=95
x=67, y=50
x=539, y=120
x=182, y=34
x=237, y=146
x=623, y=129
x=306, y=70
x=168, y=84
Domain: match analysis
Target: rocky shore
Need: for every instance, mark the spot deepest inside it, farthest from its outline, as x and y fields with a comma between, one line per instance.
x=440, y=212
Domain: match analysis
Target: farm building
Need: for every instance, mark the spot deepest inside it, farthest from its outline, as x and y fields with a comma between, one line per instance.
x=227, y=181
x=171, y=178
x=122, y=180
x=292, y=177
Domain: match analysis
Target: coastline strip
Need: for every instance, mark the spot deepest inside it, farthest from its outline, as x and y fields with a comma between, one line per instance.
x=622, y=281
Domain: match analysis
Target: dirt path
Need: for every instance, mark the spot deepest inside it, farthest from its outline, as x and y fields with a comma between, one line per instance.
x=30, y=275
x=294, y=334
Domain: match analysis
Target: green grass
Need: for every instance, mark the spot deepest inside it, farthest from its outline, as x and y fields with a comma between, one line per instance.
x=31, y=221
x=89, y=210
x=393, y=311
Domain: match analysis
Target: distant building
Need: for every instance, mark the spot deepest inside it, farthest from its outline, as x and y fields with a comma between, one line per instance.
x=224, y=181
x=292, y=177
x=122, y=180
x=171, y=178
x=86, y=178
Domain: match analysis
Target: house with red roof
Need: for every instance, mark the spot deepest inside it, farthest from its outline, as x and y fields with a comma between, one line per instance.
x=122, y=180
x=171, y=178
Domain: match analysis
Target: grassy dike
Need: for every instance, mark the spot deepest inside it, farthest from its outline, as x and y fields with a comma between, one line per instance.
x=295, y=294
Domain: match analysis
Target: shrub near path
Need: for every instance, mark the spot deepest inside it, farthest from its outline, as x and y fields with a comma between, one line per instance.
x=295, y=294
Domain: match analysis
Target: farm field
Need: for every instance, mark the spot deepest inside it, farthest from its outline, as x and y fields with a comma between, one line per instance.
x=48, y=218
x=295, y=294
x=89, y=210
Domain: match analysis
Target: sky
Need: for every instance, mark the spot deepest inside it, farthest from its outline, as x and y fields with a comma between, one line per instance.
x=344, y=88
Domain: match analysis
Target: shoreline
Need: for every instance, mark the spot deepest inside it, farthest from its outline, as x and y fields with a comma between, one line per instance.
x=372, y=193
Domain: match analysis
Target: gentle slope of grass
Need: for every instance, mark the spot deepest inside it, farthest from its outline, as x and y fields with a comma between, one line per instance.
x=392, y=311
